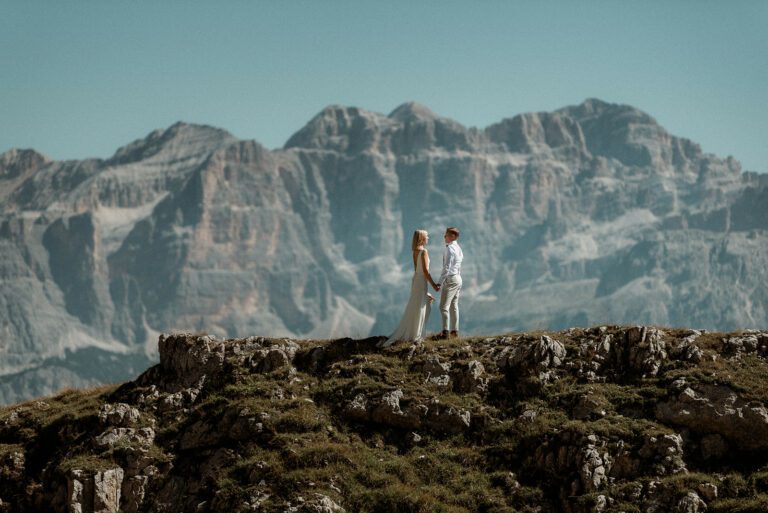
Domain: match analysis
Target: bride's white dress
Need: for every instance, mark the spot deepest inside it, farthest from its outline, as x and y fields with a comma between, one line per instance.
x=416, y=315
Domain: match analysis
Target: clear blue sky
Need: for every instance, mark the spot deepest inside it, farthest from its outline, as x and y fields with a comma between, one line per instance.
x=81, y=78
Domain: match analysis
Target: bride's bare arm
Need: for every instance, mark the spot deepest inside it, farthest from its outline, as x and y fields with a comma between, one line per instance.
x=425, y=266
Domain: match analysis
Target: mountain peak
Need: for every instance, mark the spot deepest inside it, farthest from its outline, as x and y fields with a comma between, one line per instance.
x=337, y=127
x=596, y=104
x=592, y=108
x=21, y=154
x=17, y=160
x=412, y=111
x=179, y=140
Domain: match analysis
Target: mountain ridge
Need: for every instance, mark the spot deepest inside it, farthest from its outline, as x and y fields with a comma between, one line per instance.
x=614, y=220
x=412, y=112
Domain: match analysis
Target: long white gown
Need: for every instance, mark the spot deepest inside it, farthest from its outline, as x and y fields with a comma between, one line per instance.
x=416, y=315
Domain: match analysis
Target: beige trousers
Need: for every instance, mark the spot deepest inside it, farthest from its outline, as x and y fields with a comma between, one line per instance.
x=449, y=302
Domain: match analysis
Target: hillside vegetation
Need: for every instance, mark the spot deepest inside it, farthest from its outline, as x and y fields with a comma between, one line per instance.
x=611, y=418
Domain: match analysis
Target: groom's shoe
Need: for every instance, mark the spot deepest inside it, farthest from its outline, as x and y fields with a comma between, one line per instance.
x=454, y=334
x=443, y=335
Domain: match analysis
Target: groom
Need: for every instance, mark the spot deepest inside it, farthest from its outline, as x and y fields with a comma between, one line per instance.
x=450, y=284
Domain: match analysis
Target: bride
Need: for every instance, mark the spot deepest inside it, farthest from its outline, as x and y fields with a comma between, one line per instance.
x=411, y=327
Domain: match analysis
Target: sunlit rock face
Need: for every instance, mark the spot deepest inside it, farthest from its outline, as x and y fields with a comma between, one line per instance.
x=589, y=214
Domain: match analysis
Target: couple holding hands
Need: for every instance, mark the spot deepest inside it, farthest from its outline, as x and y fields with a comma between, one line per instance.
x=411, y=327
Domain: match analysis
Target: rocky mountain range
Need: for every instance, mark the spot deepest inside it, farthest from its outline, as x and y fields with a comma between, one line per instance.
x=589, y=214
x=606, y=419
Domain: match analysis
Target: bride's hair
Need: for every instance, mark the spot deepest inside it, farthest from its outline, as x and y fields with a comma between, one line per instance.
x=419, y=238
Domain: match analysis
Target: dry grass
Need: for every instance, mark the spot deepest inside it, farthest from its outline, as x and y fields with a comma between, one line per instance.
x=308, y=445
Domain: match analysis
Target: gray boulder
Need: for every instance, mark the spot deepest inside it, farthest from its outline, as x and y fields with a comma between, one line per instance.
x=718, y=410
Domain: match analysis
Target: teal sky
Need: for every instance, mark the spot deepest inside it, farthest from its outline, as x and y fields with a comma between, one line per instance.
x=81, y=78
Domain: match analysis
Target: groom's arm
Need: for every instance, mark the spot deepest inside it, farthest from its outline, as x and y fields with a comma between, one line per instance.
x=447, y=259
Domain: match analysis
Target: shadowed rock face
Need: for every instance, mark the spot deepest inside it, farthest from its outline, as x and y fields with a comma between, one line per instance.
x=591, y=213
x=609, y=418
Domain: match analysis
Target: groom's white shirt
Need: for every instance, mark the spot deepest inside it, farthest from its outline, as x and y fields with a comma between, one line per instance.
x=451, y=261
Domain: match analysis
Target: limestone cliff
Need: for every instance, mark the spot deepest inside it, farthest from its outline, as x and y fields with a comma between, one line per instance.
x=589, y=214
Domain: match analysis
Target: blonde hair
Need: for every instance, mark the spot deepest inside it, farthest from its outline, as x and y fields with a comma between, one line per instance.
x=419, y=238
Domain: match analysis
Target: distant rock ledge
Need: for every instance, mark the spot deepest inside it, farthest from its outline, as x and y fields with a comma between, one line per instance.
x=610, y=418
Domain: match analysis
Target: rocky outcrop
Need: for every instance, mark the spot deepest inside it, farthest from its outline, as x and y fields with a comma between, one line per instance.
x=718, y=410
x=576, y=421
x=94, y=493
x=387, y=411
x=536, y=357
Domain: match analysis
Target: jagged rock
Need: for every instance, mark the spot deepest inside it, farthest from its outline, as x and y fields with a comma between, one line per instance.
x=357, y=409
x=187, y=359
x=470, y=378
x=106, y=490
x=120, y=414
x=716, y=409
x=188, y=362
x=433, y=365
x=97, y=492
x=275, y=357
x=138, y=459
x=583, y=458
x=441, y=381
x=133, y=492
x=665, y=453
x=691, y=503
x=435, y=371
x=643, y=350
x=447, y=419
x=318, y=504
x=532, y=357
x=316, y=357
x=589, y=406
x=740, y=345
x=388, y=412
x=592, y=470
x=686, y=348
x=595, y=354
x=600, y=504
x=244, y=424
x=142, y=437
x=79, y=490
x=639, y=350
x=597, y=351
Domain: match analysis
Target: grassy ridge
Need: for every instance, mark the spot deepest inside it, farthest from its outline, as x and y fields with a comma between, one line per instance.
x=255, y=441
